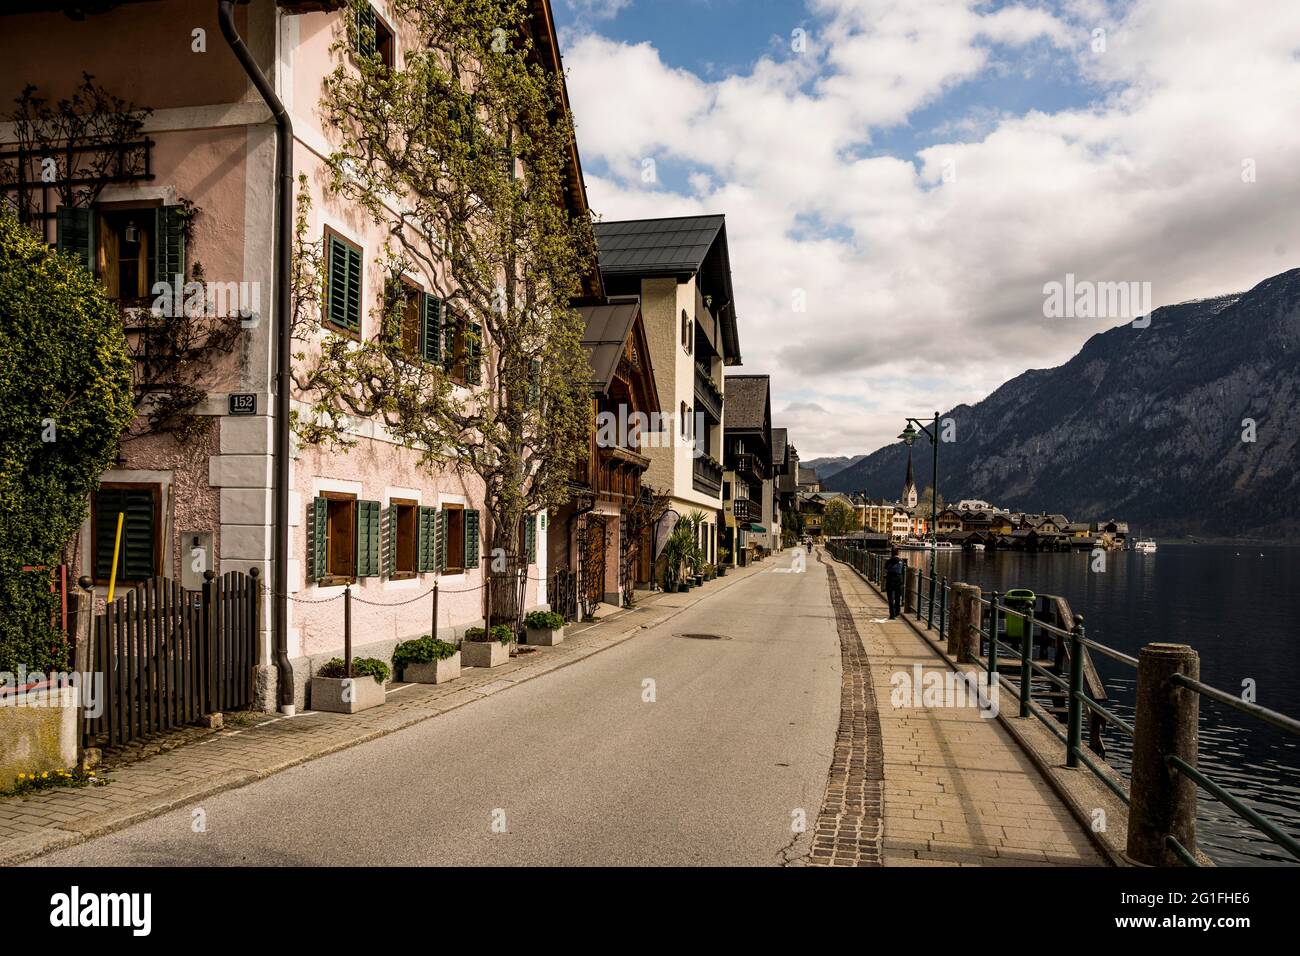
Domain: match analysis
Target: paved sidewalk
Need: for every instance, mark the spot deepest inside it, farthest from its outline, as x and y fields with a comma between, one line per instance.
x=958, y=790
x=235, y=757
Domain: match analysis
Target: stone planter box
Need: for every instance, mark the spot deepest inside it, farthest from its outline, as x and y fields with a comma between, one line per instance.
x=434, y=672
x=484, y=653
x=346, y=695
x=545, y=637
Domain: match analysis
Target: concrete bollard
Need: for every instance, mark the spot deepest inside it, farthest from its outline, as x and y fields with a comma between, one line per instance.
x=963, y=612
x=1163, y=801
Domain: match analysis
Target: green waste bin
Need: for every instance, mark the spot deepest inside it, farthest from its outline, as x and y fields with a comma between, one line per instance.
x=1022, y=600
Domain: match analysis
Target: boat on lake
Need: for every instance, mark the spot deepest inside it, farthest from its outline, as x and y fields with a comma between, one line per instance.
x=1145, y=546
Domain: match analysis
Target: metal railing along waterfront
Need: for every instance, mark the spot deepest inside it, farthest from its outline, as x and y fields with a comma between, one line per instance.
x=1164, y=779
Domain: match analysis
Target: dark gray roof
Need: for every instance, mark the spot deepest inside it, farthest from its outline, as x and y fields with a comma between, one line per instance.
x=780, y=438
x=608, y=327
x=746, y=402
x=656, y=245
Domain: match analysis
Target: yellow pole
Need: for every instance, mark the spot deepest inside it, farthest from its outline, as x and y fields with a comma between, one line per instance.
x=117, y=546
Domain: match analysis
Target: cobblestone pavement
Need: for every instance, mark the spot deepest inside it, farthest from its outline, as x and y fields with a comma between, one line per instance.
x=240, y=755
x=958, y=790
x=848, y=829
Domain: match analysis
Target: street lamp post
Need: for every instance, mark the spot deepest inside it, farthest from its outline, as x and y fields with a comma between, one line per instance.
x=915, y=427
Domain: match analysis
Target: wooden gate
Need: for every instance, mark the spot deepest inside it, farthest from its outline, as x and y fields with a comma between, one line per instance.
x=168, y=656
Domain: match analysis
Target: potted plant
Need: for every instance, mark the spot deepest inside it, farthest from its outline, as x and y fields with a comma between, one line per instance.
x=427, y=660
x=676, y=553
x=710, y=572
x=544, y=628
x=724, y=558
x=482, y=648
x=337, y=692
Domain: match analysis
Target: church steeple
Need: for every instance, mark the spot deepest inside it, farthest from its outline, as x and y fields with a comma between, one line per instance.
x=909, y=485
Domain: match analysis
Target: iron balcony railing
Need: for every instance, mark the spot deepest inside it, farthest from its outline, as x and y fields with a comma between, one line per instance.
x=928, y=596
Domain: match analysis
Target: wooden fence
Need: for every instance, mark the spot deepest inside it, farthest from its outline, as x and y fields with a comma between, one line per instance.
x=169, y=656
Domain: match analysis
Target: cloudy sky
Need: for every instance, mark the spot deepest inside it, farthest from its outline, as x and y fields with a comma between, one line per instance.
x=914, y=171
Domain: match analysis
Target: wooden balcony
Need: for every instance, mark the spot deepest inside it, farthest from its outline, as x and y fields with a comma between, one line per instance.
x=708, y=398
x=707, y=477
x=618, y=473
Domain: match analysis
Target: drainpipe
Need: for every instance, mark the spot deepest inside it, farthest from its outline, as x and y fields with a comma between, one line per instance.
x=283, y=252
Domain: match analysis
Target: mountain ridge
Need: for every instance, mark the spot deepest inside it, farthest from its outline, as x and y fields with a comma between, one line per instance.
x=1144, y=425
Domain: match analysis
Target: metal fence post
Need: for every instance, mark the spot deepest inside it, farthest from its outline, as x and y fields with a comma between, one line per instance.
x=1163, y=802
x=1074, y=721
x=210, y=637
x=929, y=606
x=434, y=632
x=347, y=631
x=1026, y=663
x=993, y=637
x=943, y=603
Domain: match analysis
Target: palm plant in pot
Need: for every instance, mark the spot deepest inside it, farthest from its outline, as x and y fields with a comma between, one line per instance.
x=676, y=553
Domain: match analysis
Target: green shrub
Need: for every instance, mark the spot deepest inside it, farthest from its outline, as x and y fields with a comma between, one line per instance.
x=502, y=633
x=422, y=650
x=361, y=667
x=65, y=399
x=544, y=621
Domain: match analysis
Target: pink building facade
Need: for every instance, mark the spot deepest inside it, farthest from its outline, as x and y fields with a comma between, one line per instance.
x=206, y=501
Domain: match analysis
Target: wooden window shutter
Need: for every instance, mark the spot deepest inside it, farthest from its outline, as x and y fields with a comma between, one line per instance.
x=390, y=540
x=367, y=539
x=534, y=382
x=344, y=285
x=366, y=30
x=530, y=538
x=137, y=560
x=317, y=539
x=449, y=323
x=471, y=539
x=440, y=542
x=474, y=355
x=169, y=243
x=431, y=339
x=427, y=544
x=75, y=234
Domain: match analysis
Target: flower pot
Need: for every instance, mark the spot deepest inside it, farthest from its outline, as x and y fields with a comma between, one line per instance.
x=722, y=572
x=346, y=695
x=434, y=672
x=484, y=653
x=545, y=636
x=699, y=580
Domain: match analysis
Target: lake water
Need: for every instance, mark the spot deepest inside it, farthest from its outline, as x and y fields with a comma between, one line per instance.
x=1238, y=607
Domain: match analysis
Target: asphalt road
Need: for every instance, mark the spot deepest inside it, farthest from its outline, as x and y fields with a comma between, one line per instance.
x=572, y=768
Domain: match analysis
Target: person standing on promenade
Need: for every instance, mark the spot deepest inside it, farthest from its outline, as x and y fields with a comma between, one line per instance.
x=895, y=569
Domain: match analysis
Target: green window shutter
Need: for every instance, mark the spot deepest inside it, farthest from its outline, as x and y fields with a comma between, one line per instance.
x=317, y=538
x=169, y=249
x=76, y=234
x=428, y=539
x=440, y=541
x=344, y=285
x=530, y=538
x=449, y=324
x=431, y=334
x=366, y=30
x=534, y=381
x=367, y=539
x=138, y=559
x=473, y=355
x=471, y=539
x=390, y=540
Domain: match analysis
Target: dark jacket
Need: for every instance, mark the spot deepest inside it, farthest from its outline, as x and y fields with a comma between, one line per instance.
x=895, y=568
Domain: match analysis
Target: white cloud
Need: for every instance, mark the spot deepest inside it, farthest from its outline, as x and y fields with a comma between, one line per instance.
x=922, y=292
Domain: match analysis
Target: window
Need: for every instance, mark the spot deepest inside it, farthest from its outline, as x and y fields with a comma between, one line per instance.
x=140, y=554
x=418, y=331
x=686, y=332
x=129, y=246
x=459, y=536
x=374, y=37
x=403, y=538
x=342, y=283
x=343, y=539
x=528, y=538
x=462, y=350
x=685, y=419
